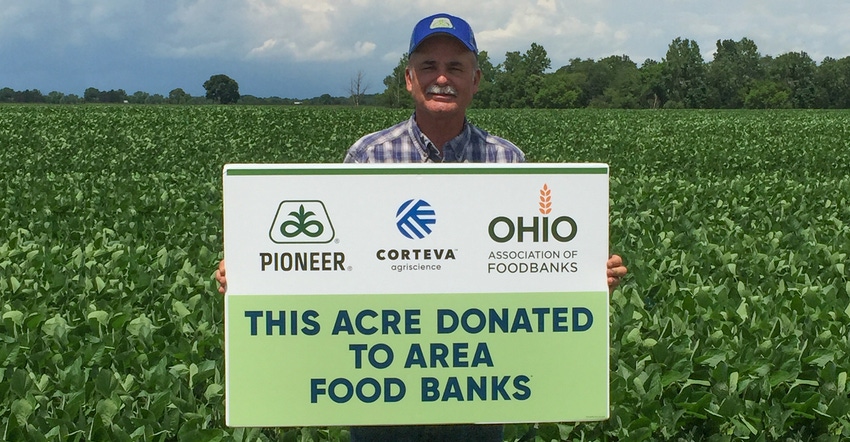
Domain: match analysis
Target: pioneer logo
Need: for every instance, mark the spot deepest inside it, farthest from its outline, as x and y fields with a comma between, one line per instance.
x=301, y=222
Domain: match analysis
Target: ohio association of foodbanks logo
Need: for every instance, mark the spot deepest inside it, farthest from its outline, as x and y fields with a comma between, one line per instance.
x=414, y=219
x=301, y=222
x=534, y=229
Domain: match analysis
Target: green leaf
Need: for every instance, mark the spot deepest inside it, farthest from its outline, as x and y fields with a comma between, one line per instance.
x=213, y=391
x=742, y=311
x=140, y=326
x=180, y=309
x=821, y=358
x=15, y=316
x=633, y=336
x=99, y=283
x=781, y=376
x=22, y=409
x=20, y=383
x=649, y=343
x=100, y=316
x=179, y=370
x=107, y=409
x=711, y=357
x=193, y=370
x=14, y=284
x=56, y=327
x=105, y=383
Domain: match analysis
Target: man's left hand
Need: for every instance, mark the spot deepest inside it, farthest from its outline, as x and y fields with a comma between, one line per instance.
x=616, y=270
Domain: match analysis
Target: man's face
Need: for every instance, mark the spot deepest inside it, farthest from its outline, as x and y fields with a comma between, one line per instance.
x=442, y=76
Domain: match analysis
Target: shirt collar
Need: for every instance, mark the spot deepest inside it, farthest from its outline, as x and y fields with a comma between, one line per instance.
x=455, y=151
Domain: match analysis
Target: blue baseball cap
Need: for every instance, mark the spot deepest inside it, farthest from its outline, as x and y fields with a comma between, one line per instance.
x=443, y=24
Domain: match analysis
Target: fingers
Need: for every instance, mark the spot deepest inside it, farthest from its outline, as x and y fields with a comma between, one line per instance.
x=616, y=270
x=221, y=278
x=615, y=261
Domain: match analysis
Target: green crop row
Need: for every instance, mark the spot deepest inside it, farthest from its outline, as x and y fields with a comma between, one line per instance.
x=126, y=140
x=734, y=322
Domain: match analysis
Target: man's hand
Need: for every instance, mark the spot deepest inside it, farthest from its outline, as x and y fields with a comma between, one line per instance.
x=222, y=280
x=616, y=270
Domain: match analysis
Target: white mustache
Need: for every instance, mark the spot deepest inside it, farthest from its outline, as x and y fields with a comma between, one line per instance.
x=441, y=90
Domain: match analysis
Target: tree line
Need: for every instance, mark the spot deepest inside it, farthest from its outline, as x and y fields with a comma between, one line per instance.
x=93, y=95
x=177, y=96
x=737, y=77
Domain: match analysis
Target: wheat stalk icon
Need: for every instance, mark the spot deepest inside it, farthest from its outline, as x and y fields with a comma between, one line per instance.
x=545, y=200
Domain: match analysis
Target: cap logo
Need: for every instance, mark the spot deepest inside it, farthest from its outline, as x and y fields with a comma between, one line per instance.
x=441, y=22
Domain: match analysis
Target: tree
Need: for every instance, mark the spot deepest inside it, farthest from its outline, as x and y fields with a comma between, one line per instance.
x=91, y=95
x=488, y=70
x=509, y=84
x=584, y=78
x=395, y=94
x=7, y=95
x=357, y=87
x=326, y=100
x=535, y=60
x=139, y=97
x=178, y=96
x=619, y=80
x=796, y=70
x=29, y=96
x=483, y=99
x=560, y=90
x=155, y=99
x=832, y=80
x=684, y=73
x=652, y=84
x=517, y=84
x=222, y=89
x=55, y=97
x=113, y=96
x=71, y=99
x=767, y=94
x=611, y=82
x=735, y=67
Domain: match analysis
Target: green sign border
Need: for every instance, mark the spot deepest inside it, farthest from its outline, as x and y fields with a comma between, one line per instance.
x=431, y=170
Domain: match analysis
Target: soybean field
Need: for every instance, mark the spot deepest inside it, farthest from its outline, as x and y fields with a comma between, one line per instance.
x=732, y=324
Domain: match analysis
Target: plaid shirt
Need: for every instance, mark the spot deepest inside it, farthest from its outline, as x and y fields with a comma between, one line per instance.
x=405, y=143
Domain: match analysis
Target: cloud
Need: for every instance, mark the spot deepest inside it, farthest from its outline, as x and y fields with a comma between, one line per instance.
x=72, y=23
x=266, y=46
x=322, y=50
x=265, y=30
x=93, y=36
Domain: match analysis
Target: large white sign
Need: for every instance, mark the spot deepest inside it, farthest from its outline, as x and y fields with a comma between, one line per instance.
x=411, y=294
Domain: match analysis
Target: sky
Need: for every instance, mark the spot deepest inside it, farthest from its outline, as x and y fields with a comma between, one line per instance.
x=306, y=48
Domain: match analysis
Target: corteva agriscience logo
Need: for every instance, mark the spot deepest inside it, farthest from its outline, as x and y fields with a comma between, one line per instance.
x=536, y=228
x=301, y=222
x=414, y=219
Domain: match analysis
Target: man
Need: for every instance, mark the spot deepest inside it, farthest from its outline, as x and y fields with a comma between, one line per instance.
x=442, y=76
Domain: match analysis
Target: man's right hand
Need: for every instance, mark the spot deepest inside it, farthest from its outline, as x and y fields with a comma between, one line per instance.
x=219, y=276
